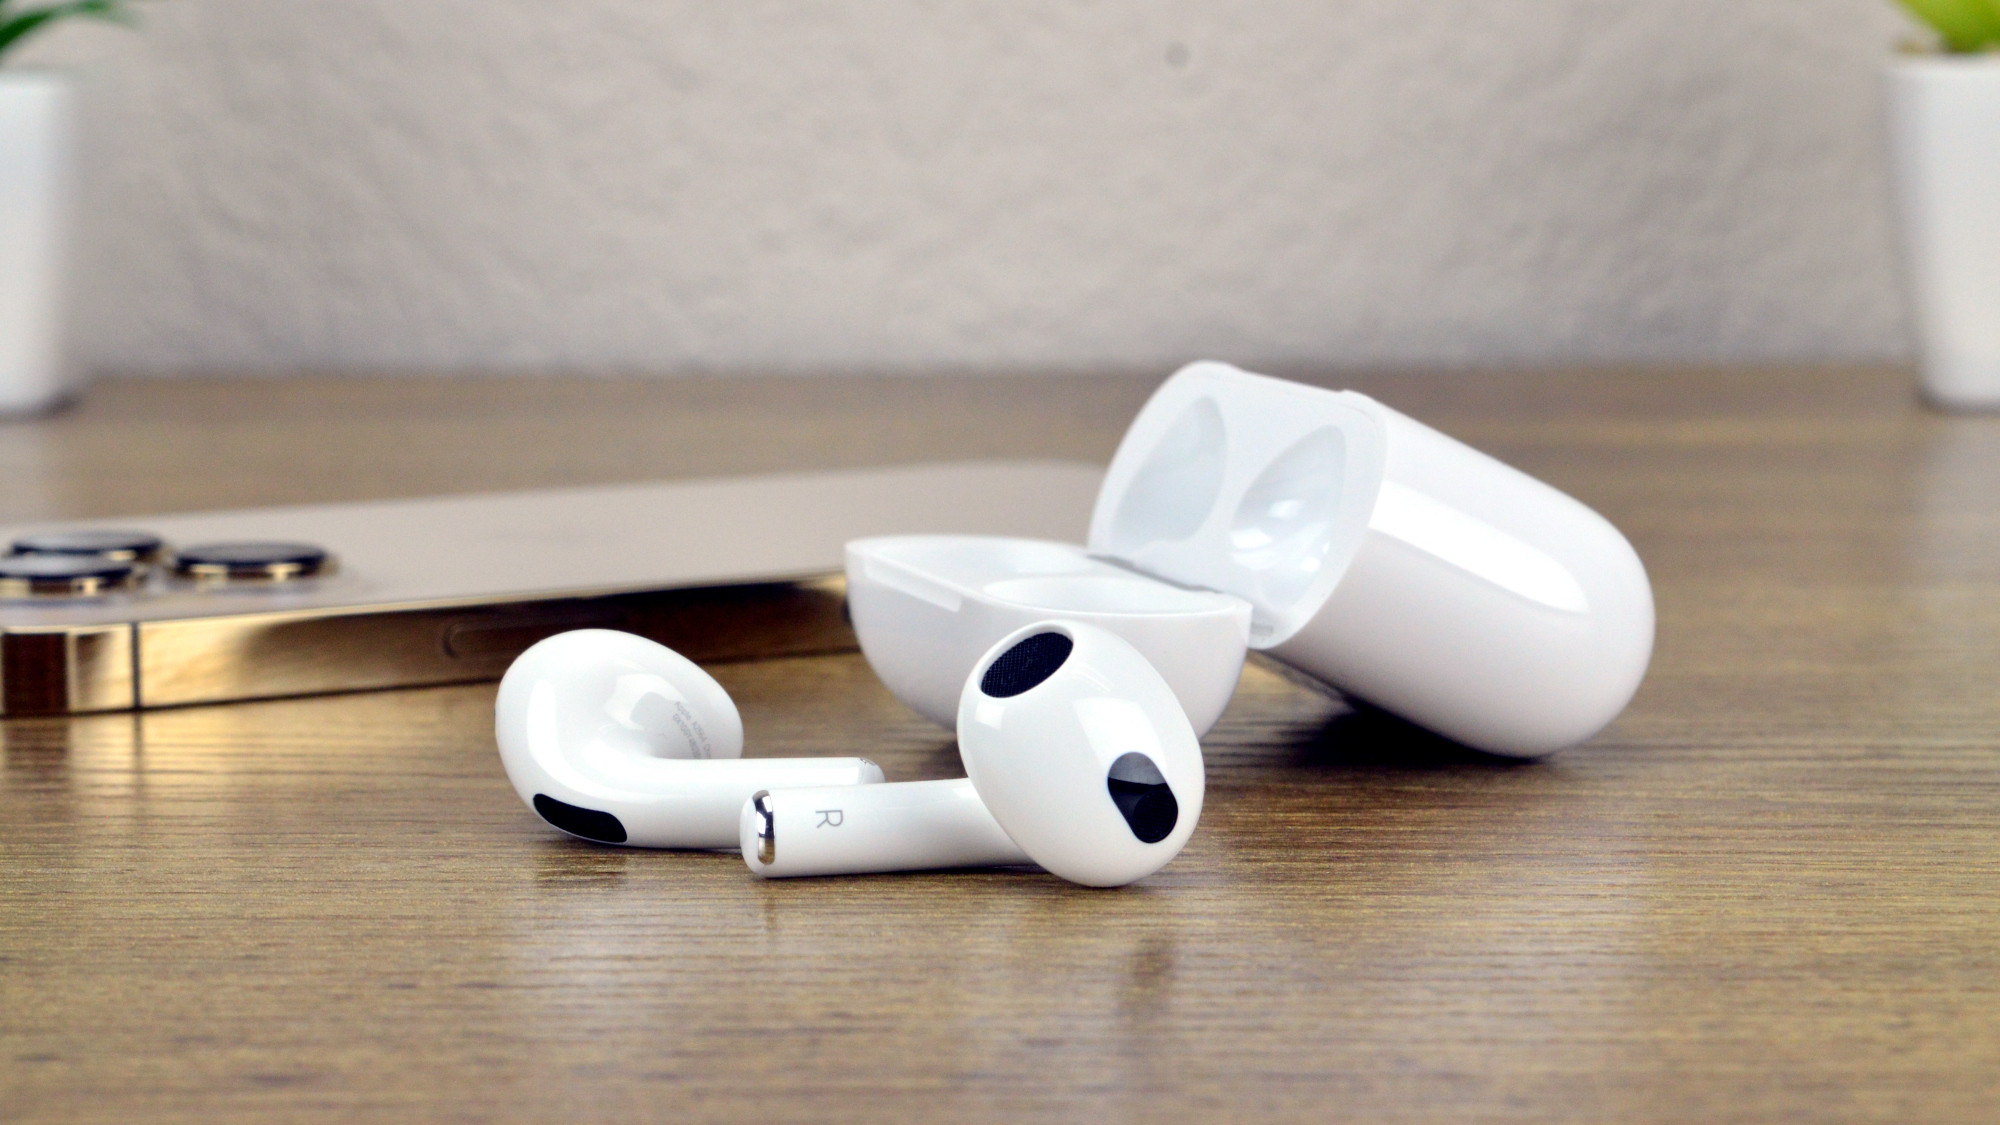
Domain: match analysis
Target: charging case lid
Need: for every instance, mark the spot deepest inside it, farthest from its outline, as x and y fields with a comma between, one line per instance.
x=1383, y=557
x=1246, y=485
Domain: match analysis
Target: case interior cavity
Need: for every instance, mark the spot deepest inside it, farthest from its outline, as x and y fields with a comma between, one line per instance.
x=1247, y=485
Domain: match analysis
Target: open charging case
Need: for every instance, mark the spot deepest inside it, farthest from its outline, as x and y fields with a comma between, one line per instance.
x=1320, y=527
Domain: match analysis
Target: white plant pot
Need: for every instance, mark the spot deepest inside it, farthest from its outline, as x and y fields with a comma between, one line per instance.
x=34, y=153
x=1944, y=150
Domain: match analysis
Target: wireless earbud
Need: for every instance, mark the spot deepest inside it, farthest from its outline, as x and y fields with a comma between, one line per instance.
x=1078, y=758
x=620, y=740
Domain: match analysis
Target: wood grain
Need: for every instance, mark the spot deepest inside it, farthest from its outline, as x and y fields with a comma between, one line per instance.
x=1770, y=891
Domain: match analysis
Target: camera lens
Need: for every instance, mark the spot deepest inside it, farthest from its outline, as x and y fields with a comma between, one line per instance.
x=62, y=576
x=252, y=562
x=117, y=544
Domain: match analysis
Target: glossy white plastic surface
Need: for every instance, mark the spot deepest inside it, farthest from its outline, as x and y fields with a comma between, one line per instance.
x=1371, y=551
x=1414, y=572
x=1944, y=144
x=1483, y=604
x=1248, y=485
x=1042, y=759
x=860, y=829
x=927, y=607
x=616, y=726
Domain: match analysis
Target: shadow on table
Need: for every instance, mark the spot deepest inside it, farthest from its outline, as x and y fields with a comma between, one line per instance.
x=1368, y=738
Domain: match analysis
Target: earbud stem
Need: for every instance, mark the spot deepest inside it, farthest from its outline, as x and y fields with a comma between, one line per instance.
x=688, y=804
x=854, y=830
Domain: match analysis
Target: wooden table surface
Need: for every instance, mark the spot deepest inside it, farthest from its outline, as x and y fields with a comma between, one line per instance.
x=1771, y=890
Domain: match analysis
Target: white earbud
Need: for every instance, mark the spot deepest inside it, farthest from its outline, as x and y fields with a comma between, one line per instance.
x=617, y=739
x=1078, y=758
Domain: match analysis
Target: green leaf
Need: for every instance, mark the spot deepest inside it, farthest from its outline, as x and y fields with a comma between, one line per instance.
x=1965, y=25
x=16, y=27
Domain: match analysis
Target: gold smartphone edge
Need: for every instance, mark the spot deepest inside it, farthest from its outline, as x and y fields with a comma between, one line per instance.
x=78, y=669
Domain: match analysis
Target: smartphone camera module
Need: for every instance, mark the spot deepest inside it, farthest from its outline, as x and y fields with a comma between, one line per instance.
x=252, y=562
x=63, y=576
x=113, y=544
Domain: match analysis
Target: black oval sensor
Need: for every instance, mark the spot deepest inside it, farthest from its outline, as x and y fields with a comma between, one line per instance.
x=1143, y=798
x=587, y=823
x=1029, y=662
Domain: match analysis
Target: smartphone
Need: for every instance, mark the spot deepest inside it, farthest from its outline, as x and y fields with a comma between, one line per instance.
x=170, y=610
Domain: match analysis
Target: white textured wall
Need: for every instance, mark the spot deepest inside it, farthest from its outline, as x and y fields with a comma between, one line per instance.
x=637, y=185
